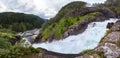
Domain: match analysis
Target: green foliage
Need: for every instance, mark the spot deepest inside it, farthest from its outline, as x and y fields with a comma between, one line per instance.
x=118, y=43
x=7, y=50
x=90, y=52
x=17, y=50
x=6, y=33
x=96, y=54
x=58, y=29
x=65, y=11
x=113, y=5
x=4, y=43
x=19, y=22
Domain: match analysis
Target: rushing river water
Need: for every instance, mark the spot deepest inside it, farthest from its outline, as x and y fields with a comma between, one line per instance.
x=75, y=44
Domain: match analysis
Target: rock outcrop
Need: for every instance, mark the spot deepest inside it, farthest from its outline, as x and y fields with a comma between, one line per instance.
x=107, y=13
x=30, y=35
x=81, y=26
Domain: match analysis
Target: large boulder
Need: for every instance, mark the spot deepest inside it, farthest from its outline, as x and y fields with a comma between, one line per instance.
x=109, y=25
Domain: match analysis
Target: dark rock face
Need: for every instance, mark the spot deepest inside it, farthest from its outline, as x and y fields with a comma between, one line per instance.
x=49, y=54
x=16, y=39
x=109, y=25
x=81, y=26
x=107, y=13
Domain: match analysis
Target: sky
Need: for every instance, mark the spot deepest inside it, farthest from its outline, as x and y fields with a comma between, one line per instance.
x=43, y=8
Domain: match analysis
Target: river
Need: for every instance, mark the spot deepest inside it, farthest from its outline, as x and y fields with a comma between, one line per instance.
x=75, y=44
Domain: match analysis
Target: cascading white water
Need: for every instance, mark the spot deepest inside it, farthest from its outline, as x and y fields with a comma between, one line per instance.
x=75, y=44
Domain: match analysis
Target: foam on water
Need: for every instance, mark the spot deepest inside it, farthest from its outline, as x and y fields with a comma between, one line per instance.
x=75, y=44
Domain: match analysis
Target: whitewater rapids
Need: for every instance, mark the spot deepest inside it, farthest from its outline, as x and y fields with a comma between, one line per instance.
x=75, y=44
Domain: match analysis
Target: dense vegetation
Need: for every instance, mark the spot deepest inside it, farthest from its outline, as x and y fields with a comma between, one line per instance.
x=58, y=29
x=12, y=45
x=58, y=25
x=19, y=22
x=113, y=5
x=65, y=11
x=8, y=50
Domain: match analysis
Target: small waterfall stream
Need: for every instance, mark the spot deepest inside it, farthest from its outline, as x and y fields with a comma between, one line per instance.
x=75, y=44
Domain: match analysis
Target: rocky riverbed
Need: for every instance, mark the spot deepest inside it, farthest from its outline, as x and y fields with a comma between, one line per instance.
x=30, y=35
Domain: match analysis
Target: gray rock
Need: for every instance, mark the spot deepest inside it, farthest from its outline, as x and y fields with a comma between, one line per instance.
x=116, y=26
x=112, y=37
x=30, y=35
x=110, y=50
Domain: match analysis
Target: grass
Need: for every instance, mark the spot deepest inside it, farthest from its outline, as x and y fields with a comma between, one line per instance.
x=118, y=43
x=96, y=54
x=6, y=33
x=57, y=29
x=7, y=50
x=108, y=32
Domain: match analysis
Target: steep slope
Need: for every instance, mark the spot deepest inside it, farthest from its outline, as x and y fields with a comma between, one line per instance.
x=19, y=22
x=72, y=19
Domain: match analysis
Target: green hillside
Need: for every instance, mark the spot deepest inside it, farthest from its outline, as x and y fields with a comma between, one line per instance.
x=19, y=22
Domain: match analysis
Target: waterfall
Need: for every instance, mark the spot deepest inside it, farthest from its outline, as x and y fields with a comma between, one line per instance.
x=75, y=44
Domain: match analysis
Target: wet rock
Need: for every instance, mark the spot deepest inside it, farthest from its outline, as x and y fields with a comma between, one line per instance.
x=30, y=35
x=50, y=54
x=109, y=25
x=42, y=55
x=26, y=34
